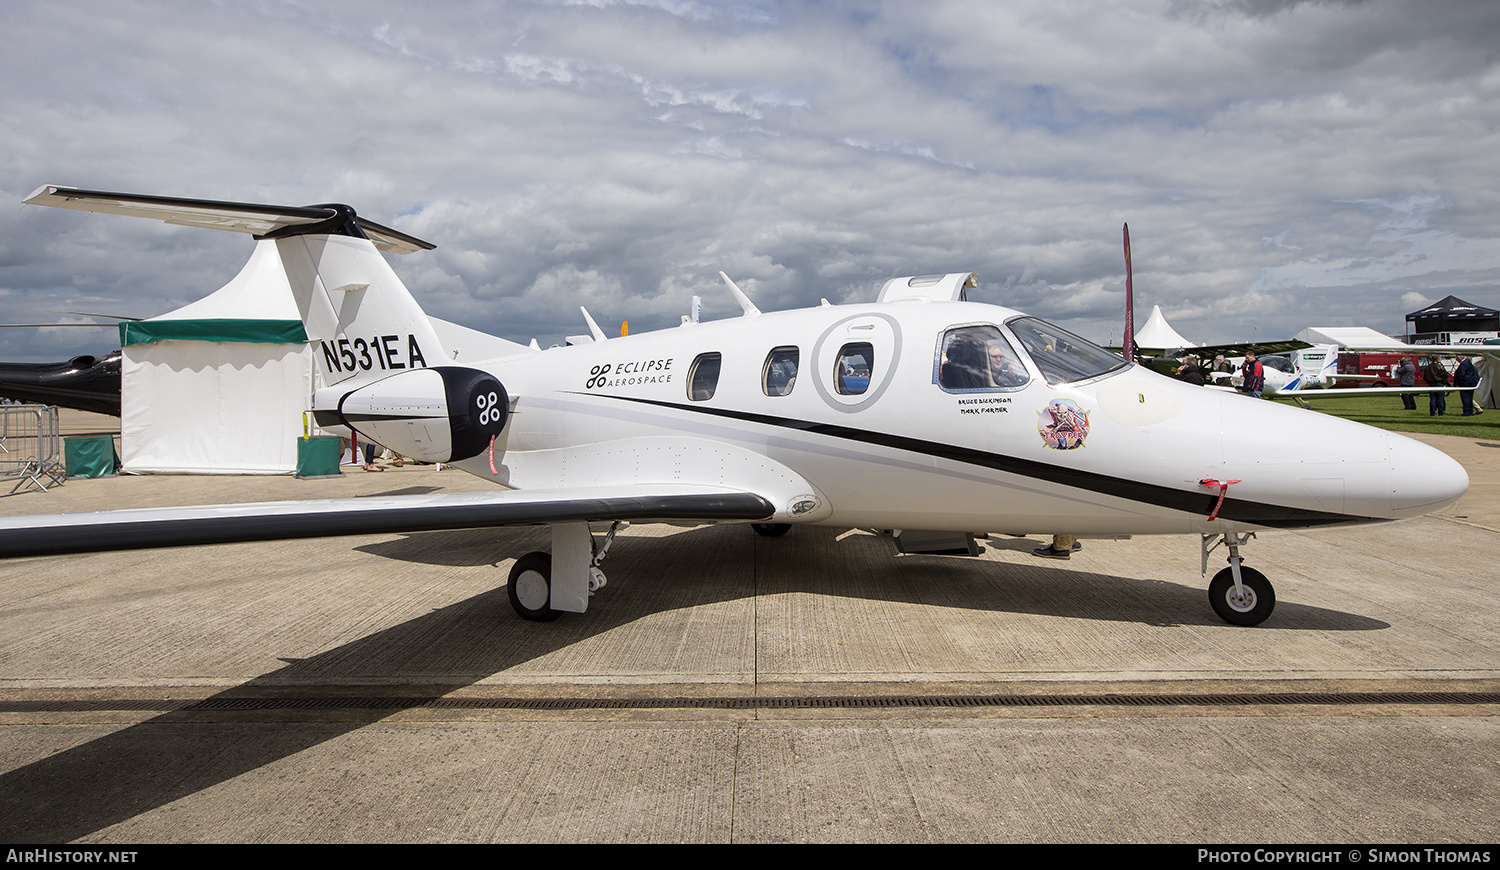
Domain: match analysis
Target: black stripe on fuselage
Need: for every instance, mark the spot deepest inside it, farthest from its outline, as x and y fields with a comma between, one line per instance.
x=1199, y=503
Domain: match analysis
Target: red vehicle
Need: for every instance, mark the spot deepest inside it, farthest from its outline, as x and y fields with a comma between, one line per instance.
x=1382, y=366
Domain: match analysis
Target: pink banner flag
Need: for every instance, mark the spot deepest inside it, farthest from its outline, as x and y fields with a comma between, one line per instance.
x=1128, y=349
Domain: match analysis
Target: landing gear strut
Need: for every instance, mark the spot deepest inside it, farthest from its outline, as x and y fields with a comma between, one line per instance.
x=541, y=590
x=1239, y=594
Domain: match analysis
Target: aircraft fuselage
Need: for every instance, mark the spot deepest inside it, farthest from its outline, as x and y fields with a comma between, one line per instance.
x=1120, y=452
x=85, y=382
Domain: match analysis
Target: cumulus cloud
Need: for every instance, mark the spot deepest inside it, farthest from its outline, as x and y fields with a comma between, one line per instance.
x=1281, y=163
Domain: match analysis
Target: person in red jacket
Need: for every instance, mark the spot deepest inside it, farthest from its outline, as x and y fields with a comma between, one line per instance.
x=1255, y=375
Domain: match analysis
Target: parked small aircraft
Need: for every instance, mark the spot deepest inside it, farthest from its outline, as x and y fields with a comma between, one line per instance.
x=922, y=412
x=1308, y=374
x=1311, y=368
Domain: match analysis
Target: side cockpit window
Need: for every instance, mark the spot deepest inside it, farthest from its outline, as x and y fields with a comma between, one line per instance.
x=851, y=374
x=703, y=377
x=978, y=358
x=779, y=375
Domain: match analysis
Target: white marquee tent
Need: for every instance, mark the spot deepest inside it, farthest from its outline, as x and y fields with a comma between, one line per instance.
x=1361, y=337
x=1157, y=334
x=218, y=386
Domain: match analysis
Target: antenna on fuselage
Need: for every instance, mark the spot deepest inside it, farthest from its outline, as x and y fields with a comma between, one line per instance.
x=740, y=297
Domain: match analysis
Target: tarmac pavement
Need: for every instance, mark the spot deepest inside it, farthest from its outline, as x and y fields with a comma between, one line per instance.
x=730, y=688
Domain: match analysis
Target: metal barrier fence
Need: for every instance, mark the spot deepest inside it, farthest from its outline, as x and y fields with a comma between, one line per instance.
x=30, y=447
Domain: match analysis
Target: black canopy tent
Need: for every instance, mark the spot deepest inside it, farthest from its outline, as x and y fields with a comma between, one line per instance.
x=1441, y=319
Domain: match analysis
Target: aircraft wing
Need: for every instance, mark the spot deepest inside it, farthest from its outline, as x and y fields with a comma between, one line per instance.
x=264, y=521
x=1261, y=348
x=1439, y=349
x=240, y=217
x=1343, y=392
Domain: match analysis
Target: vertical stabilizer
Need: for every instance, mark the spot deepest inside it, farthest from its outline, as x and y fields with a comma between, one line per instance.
x=365, y=323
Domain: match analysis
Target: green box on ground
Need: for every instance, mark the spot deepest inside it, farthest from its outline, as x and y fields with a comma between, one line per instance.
x=90, y=456
x=319, y=456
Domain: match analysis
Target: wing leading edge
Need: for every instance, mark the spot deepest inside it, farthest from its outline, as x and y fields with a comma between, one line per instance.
x=45, y=535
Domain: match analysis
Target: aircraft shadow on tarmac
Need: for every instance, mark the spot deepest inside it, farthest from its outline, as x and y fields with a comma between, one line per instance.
x=109, y=780
x=405, y=490
x=827, y=561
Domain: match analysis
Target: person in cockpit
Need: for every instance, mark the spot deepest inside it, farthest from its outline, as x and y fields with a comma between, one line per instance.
x=1005, y=369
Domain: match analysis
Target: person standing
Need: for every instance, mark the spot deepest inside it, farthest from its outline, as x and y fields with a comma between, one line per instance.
x=1062, y=547
x=1406, y=373
x=1254, y=375
x=1466, y=376
x=1436, y=376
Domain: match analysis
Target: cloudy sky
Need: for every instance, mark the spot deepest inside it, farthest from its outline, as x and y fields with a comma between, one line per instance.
x=1281, y=164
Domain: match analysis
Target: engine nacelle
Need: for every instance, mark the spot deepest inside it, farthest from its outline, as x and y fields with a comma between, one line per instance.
x=440, y=414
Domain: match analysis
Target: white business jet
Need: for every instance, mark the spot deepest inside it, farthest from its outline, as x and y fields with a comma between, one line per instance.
x=921, y=412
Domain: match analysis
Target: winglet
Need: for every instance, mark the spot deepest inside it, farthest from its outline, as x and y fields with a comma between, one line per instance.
x=593, y=327
x=740, y=297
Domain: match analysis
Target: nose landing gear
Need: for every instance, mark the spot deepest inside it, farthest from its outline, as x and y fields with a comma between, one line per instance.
x=1240, y=595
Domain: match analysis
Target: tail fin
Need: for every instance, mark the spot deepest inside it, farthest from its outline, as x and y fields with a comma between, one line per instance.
x=366, y=322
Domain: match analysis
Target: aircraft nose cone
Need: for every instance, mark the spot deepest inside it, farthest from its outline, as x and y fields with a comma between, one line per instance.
x=1423, y=478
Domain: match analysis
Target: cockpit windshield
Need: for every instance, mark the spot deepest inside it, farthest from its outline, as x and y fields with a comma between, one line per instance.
x=1062, y=356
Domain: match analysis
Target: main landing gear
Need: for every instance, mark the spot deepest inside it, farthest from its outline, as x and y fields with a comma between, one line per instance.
x=530, y=587
x=543, y=586
x=1239, y=594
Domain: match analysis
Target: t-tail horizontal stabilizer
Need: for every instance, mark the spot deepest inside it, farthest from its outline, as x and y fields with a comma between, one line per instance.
x=261, y=221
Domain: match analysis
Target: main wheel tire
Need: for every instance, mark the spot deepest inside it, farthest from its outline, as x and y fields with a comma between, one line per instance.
x=1258, y=602
x=530, y=588
x=771, y=530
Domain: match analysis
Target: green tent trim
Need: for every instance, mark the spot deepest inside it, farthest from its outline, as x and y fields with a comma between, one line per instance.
x=213, y=329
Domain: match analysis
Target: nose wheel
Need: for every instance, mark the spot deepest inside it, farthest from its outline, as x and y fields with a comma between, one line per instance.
x=1239, y=594
x=1249, y=604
